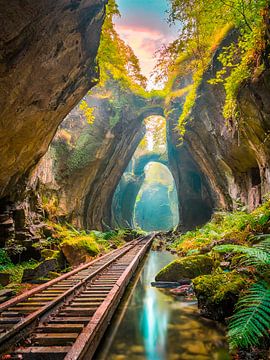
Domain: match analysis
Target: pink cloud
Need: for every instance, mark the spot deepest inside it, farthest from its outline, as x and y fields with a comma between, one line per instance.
x=144, y=42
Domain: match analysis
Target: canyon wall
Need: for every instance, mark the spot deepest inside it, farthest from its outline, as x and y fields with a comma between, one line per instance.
x=197, y=200
x=48, y=64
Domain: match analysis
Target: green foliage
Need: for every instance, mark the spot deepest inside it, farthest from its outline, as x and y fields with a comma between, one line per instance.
x=263, y=245
x=253, y=256
x=81, y=155
x=252, y=318
x=189, y=102
x=4, y=259
x=50, y=204
x=119, y=101
x=17, y=270
x=218, y=285
x=238, y=71
x=61, y=149
x=92, y=241
x=238, y=225
x=116, y=59
x=203, y=26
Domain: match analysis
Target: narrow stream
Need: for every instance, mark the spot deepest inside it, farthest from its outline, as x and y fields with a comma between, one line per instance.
x=153, y=324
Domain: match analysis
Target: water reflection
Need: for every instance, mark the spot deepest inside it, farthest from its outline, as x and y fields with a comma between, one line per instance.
x=151, y=325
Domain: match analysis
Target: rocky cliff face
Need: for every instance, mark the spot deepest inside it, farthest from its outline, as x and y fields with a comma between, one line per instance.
x=47, y=63
x=47, y=66
x=234, y=157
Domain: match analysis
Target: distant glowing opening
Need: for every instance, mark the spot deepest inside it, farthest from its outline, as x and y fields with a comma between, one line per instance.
x=156, y=207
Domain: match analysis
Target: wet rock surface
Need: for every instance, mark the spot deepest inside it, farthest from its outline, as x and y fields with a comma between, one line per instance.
x=48, y=62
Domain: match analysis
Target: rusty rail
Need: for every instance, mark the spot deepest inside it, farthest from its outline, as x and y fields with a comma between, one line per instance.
x=66, y=318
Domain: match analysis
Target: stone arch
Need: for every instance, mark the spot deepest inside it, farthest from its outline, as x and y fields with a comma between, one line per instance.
x=97, y=201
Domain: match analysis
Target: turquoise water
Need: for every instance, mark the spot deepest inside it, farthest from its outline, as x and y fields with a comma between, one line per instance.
x=152, y=324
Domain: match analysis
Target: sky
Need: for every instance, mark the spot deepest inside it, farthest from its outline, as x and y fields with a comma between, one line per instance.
x=144, y=27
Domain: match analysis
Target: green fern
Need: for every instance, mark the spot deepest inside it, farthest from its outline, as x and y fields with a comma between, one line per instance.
x=264, y=244
x=252, y=318
x=255, y=256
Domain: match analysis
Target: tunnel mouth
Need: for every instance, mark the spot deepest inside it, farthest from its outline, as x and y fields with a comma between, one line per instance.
x=156, y=206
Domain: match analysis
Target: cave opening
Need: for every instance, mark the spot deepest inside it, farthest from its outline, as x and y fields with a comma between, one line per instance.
x=156, y=206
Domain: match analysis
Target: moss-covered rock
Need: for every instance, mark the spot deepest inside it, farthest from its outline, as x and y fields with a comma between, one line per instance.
x=48, y=253
x=54, y=254
x=78, y=250
x=41, y=270
x=53, y=275
x=186, y=268
x=218, y=293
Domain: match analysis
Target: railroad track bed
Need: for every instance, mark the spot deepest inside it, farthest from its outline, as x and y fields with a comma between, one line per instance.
x=66, y=318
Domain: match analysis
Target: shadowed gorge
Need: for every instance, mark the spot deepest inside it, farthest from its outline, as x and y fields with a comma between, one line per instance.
x=127, y=126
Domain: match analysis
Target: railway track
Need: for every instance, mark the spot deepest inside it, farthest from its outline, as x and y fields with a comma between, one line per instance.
x=66, y=317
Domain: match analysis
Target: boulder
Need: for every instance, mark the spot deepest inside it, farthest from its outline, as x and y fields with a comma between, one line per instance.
x=186, y=268
x=74, y=255
x=54, y=254
x=40, y=271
